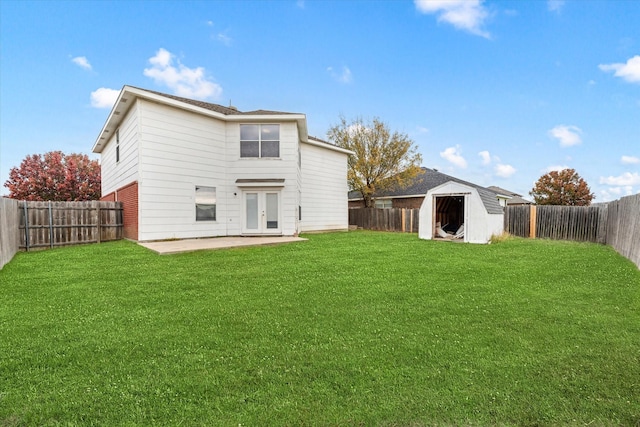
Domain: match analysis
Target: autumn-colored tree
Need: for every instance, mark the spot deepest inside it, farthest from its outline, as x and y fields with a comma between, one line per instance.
x=382, y=159
x=55, y=176
x=563, y=187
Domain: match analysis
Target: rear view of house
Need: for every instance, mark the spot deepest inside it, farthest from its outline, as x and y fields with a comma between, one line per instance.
x=188, y=169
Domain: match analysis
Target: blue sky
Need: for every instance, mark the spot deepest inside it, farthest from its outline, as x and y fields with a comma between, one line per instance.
x=494, y=92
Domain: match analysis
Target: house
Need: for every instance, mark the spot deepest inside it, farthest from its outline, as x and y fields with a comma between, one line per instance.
x=515, y=199
x=190, y=169
x=450, y=208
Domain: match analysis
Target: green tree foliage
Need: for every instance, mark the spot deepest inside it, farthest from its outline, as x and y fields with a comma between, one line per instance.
x=382, y=159
x=55, y=176
x=563, y=187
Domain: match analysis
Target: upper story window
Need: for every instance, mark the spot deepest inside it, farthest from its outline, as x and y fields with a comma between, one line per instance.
x=117, y=145
x=259, y=141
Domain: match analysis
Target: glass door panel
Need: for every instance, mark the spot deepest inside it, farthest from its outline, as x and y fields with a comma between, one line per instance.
x=272, y=210
x=252, y=211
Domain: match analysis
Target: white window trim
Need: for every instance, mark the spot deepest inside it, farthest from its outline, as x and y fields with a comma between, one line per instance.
x=260, y=142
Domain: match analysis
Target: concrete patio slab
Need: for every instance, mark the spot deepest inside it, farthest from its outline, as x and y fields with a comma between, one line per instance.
x=189, y=245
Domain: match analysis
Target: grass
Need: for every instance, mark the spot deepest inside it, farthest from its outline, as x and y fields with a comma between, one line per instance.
x=358, y=328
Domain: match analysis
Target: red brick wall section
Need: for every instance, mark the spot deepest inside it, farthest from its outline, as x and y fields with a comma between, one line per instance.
x=128, y=195
x=111, y=197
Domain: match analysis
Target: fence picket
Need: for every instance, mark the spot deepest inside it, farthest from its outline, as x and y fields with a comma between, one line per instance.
x=400, y=220
x=615, y=223
x=51, y=224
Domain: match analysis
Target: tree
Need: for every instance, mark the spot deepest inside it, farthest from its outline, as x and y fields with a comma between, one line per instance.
x=381, y=159
x=55, y=176
x=565, y=187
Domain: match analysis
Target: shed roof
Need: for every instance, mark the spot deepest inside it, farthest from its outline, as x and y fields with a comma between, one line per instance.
x=431, y=178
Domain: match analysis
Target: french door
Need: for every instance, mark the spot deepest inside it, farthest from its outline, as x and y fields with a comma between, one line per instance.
x=261, y=212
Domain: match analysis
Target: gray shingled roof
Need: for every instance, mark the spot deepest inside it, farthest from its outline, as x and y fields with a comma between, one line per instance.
x=227, y=111
x=431, y=178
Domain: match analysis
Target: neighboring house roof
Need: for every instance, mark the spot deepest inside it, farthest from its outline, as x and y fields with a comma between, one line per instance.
x=431, y=178
x=515, y=198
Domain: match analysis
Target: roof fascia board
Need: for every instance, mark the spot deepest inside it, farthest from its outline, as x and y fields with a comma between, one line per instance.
x=130, y=94
x=328, y=146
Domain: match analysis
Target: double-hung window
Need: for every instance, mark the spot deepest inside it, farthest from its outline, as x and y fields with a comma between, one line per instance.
x=205, y=203
x=259, y=141
x=384, y=203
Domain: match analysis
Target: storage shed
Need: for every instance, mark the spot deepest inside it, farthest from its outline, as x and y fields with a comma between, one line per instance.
x=457, y=211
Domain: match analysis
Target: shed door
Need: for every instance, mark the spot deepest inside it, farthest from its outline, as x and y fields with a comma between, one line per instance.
x=450, y=214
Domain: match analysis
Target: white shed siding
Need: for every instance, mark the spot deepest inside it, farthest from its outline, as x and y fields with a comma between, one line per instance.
x=479, y=225
x=117, y=175
x=179, y=151
x=324, y=189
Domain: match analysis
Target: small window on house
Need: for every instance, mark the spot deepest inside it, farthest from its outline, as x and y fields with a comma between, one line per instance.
x=259, y=141
x=384, y=204
x=205, y=203
x=117, y=145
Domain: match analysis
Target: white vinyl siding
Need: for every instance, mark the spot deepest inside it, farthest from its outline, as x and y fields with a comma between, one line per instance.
x=118, y=174
x=285, y=167
x=324, y=189
x=179, y=151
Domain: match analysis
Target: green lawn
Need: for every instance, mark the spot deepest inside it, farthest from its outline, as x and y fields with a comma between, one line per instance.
x=357, y=328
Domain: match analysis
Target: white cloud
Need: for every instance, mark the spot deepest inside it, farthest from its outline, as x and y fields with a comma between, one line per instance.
x=344, y=76
x=224, y=39
x=486, y=157
x=300, y=4
x=104, y=97
x=629, y=71
x=82, y=62
x=625, y=179
x=422, y=129
x=555, y=5
x=630, y=160
x=468, y=15
x=504, y=171
x=613, y=193
x=567, y=135
x=556, y=168
x=182, y=80
x=452, y=155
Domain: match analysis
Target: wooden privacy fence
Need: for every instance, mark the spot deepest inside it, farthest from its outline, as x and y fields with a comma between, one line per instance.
x=615, y=223
x=51, y=224
x=402, y=220
x=579, y=223
x=623, y=227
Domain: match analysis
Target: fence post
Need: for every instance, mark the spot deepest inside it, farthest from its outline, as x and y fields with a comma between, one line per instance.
x=26, y=226
x=532, y=221
x=50, y=226
x=99, y=224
